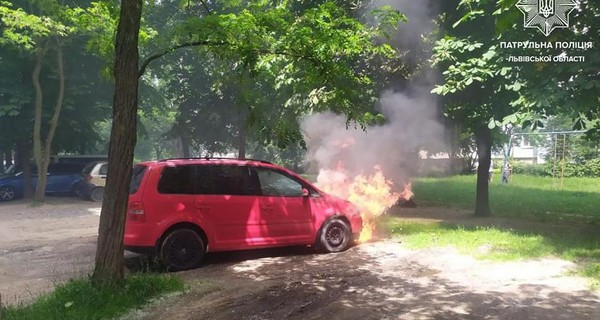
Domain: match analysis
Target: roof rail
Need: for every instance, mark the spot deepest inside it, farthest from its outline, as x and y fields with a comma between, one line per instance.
x=215, y=158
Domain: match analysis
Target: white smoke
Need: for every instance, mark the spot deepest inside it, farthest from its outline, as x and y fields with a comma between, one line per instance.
x=411, y=126
x=412, y=117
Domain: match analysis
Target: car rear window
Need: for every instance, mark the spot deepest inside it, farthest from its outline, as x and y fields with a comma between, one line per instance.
x=88, y=168
x=136, y=178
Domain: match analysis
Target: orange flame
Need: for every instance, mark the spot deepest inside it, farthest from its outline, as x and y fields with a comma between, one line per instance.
x=372, y=194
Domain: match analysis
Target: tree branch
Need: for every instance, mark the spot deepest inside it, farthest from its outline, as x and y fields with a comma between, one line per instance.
x=206, y=6
x=155, y=56
x=179, y=46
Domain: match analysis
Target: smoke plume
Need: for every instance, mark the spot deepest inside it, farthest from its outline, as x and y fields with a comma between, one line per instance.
x=412, y=117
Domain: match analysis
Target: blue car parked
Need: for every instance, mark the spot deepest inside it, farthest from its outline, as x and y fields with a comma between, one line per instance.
x=62, y=180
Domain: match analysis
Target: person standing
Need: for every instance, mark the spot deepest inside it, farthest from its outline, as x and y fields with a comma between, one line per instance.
x=506, y=172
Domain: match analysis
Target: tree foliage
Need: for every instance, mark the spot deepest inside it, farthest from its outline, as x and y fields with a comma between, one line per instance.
x=40, y=29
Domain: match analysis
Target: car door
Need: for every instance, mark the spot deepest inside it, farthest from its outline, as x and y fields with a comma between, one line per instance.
x=227, y=202
x=62, y=177
x=285, y=211
x=56, y=178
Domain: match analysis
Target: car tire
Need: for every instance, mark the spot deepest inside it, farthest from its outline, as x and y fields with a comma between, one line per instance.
x=335, y=236
x=7, y=193
x=182, y=249
x=97, y=194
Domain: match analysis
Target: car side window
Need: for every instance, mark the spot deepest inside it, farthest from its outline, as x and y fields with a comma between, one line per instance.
x=103, y=170
x=232, y=180
x=273, y=183
x=177, y=180
x=205, y=180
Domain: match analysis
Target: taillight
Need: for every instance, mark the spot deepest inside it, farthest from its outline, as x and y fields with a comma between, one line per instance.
x=136, y=211
x=87, y=177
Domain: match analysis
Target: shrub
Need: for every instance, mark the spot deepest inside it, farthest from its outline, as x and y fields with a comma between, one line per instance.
x=587, y=168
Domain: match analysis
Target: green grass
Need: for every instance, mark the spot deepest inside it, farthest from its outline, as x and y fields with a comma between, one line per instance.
x=525, y=196
x=77, y=299
x=495, y=243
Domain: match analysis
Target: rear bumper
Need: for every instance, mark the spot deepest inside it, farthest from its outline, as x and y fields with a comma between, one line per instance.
x=138, y=235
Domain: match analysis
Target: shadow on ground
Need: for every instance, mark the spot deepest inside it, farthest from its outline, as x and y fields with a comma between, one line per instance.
x=378, y=280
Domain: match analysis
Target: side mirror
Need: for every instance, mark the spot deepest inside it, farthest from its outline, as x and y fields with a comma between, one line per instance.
x=305, y=192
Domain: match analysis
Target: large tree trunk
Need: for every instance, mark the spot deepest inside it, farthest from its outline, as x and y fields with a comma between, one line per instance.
x=483, y=137
x=109, y=267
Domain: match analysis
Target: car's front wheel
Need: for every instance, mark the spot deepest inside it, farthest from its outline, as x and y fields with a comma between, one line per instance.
x=335, y=235
x=182, y=249
x=97, y=194
x=7, y=193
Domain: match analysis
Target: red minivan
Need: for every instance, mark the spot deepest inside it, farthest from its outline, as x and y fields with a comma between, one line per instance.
x=179, y=209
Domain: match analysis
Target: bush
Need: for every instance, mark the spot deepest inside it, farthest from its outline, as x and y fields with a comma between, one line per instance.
x=585, y=169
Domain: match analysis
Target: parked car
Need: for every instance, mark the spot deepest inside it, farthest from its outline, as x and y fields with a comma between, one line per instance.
x=180, y=209
x=93, y=181
x=62, y=180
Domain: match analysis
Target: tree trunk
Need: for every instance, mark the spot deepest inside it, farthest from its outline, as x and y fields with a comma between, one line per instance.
x=8, y=158
x=109, y=264
x=185, y=145
x=3, y=156
x=242, y=142
x=158, y=151
x=242, y=120
x=23, y=159
x=37, y=124
x=483, y=138
x=46, y=147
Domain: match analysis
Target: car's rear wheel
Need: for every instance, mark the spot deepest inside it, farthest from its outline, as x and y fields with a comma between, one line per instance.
x=182, y=249
x=335, y=235
x=97, y=194
x=7, y=193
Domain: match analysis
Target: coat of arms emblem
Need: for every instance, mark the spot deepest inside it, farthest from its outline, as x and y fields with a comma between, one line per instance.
x=546, y=15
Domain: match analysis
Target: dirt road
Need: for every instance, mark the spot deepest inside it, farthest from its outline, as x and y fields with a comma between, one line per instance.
x=381, y=280
x=44, y=245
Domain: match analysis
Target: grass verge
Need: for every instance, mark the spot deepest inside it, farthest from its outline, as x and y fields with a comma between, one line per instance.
x=543, y=198
x=501, y=244
x=78, y=299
